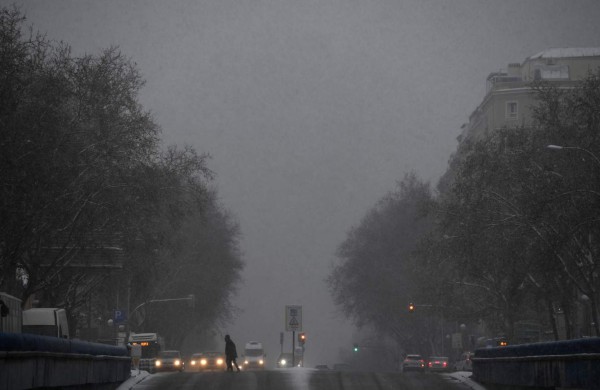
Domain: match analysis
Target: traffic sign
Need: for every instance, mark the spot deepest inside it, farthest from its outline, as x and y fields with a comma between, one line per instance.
x=120, y=316
x=293, y=318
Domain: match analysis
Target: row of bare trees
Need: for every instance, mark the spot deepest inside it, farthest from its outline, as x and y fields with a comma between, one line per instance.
x=94, y=214
x=512, y=236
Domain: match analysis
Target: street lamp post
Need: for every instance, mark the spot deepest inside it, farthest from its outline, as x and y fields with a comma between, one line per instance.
x=411, y=308
x=592, y=302
x=191, y=298
x=558, y=147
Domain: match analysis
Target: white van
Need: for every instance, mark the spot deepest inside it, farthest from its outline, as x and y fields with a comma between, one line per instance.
x=11, y=317
x=46, y=321
x=254, y=356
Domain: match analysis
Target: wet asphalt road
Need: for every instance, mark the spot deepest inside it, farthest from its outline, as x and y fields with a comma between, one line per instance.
x=298, y=379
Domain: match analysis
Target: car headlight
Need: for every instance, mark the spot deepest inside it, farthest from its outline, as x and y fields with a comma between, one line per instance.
x=245, y=361
x=260, y=362
x=219, y=362
x=203, y=362
x=193, y=362
x=177, y=362
x=283, y=362
x=157, y=363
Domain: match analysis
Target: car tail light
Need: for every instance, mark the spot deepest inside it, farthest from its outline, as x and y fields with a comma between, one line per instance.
x=430, y=364
x=445, y=364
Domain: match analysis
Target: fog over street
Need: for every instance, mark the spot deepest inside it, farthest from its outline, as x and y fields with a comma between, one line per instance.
x=312, y=111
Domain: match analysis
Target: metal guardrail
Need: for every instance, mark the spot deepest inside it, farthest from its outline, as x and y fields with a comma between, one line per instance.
x=572, y=364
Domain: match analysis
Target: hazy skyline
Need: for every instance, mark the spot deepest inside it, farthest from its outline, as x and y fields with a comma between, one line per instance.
x=312, y=110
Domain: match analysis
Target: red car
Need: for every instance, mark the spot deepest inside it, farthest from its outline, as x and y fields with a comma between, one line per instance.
x=438, y=363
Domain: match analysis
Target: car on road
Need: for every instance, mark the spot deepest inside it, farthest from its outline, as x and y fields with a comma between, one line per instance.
x=169, y=361
x=254, y=356
x=464, y=363
x=206, y=361
x=438, y=363
x=285, y=360
x=413, y=362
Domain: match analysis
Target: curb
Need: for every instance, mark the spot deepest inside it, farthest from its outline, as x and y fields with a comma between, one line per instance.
x=464, y=377
x=135, y=378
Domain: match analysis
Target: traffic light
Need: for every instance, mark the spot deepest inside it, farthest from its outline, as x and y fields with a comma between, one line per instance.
x=301, y=338
x=411, y=307
x=355, y=347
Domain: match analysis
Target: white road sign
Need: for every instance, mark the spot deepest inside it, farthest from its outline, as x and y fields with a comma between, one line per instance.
x=293, y=318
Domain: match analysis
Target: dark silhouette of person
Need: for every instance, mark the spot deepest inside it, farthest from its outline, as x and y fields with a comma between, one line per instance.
x=230, y=354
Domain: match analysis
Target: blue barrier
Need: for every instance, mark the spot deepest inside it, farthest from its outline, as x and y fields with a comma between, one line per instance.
x=32, y=342
x=562, y=364
x=33, y=361
x=567, y=347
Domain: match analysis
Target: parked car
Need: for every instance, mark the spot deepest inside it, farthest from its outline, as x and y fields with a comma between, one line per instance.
x=464, y=363
x=169, y=361
x=205, y=361
x=413, y=363
x=438, y=363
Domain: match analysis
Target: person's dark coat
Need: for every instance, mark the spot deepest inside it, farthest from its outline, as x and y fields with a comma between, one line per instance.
x=230, y=350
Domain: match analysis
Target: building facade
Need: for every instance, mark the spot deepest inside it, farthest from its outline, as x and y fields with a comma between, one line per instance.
x=509, y=94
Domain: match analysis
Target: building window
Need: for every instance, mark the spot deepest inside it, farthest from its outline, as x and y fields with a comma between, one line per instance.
x=551, y=72
x=512, y=110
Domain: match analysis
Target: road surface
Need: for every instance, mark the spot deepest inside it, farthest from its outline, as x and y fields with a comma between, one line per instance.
x=299, y=379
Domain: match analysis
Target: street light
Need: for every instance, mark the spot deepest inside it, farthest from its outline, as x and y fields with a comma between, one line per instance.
x=584, y=298
x=558, y=147
x=191, y=298
x=587, y=314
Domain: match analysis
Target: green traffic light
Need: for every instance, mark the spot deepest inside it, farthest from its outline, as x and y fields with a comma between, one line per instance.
x=355, y=347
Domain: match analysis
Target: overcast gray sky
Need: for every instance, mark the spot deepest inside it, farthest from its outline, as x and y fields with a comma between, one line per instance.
x=312, y=110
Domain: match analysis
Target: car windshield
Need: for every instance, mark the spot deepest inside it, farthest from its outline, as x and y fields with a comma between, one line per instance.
x=413, y=357
x=169, y=354
x=254, y=352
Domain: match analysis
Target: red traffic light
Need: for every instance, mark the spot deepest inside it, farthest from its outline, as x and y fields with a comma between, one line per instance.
x=302, y=338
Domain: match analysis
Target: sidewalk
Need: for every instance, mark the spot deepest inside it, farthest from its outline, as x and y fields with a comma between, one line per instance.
x=464, y=377
x=135, y=378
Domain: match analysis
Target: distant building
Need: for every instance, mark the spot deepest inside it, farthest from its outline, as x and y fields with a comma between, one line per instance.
x=509, y=95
